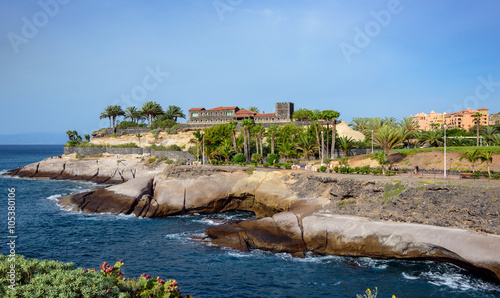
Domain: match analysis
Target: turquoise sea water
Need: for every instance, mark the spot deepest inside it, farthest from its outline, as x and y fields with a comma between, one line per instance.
x=165, y=247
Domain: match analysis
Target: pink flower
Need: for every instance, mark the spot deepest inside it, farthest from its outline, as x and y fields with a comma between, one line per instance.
x=158, y=288
x=85, y=271
x=143, y=275
x=147, y=276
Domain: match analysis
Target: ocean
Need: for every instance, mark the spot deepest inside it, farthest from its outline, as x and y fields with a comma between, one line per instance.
x=170, y=248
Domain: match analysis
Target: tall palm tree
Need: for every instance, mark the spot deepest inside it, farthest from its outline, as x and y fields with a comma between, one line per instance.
x=359, y=124
x=472, y=157
x=107, y=114
x=306, y=144
x=232, y=125
x=174, y=112
x=315, y=117
x=259, y=129
x=381, y=157
x=272, y=130
x=198, y=139
x=247, y=125
x=388, y=137
x=410, y=128
x=113, y=112
x=391, y=121
x=253, y=109
x=477, y=119
x=331, y=115
x=132, y=113
x=151, y=109
x=487, y=156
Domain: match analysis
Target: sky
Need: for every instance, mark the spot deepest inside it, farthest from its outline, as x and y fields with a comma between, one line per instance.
x=63, y=61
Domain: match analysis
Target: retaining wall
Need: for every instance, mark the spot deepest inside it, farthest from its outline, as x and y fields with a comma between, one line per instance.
x=176, y=155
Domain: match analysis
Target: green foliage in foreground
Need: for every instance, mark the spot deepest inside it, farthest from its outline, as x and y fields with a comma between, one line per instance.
x=92, y=145
x=43, y=278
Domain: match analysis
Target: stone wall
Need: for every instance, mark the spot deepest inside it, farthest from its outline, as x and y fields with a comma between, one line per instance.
x=175, y=155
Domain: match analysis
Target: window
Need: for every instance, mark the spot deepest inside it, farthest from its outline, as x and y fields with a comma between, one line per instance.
x=194, y=115
x=229, y=113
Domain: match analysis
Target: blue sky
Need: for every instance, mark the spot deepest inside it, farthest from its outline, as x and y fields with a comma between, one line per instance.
x=361, y=58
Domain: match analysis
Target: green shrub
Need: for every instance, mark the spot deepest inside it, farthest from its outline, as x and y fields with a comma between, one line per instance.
x=266, y=165
x=327, y=160
x=256, y=158
x=163, y=123
x=273, y=158
x=125, y=145
x=249, y=170
x=496, y=176
x=288, y=166
x=365, y=170
x=378, y=170
x=322, y=169
x=79, y=156
x=239, y=158
x=336, y=169
x=128, y=124
x=43, y=278
x=173, y=147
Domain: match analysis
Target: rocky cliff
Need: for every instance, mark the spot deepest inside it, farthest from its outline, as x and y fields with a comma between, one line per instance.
x=300, y=212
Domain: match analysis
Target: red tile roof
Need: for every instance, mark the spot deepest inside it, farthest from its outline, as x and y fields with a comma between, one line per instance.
x=245, y=112
x=196, y=109
x=483, y=109
x=223, y=108
x=266, y=115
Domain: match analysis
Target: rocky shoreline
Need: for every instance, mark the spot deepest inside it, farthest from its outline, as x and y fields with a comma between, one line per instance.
x=300, y=212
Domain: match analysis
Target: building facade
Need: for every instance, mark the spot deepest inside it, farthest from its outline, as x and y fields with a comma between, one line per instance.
x=220, y=115
x=464, y=119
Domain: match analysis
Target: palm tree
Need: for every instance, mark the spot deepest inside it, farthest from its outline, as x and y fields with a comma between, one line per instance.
x=472, y=157
x=487, y=156
x=174, y=112
x=388, y=137
x=253, y=109
x=460, y=142
x=488, y=133
x=346, y=143
x=477, y=118
x=247, y=124
x=331, y=115
x=115, y=111
x=132, y=113
x=286, y=149
x=433, y=137
x=306, y=144
x=410, y=128
x=495, y=139
x=434, y=125
x=391, y=121
x=315, y=117
x=151, y=109
x=107, y=114
x=232, y=125
x=259, y=129
x=359, y=124
x=381, y=157
x=226, y=149
x=272, y=130
x=198, y=139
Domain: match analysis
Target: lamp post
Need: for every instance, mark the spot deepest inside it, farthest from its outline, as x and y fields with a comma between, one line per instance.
x=322, y=145
x=203, y=152
x=372, y=141
x=444, y=127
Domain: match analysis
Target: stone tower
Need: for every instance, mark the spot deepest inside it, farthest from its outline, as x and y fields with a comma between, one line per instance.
x=284, y=111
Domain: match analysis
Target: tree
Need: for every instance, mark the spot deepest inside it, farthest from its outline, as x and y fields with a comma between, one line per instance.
x=259, y=129
x=477, y=119
x=495, y=139
x=315, y=117
x=434, y=125
x=410, y=128
x=272, y=130
x=226, y=149
x=346, y=143
x=115, y=111
x=232, y=125
x=253, y=109
x=139, y=136
x=487, y=156
x=472, y=157
x=174, y=112
x=133, y=114
x=302, y=115
x=388, y=137
x=87, y=137
x=151, y=109
x=306, y=144
x=432, y=137
x=381, y=157
x=107, y=114
x=197, y=140
x=286, y=149
x=247, y=125
x=488, y=133
x=359, y=124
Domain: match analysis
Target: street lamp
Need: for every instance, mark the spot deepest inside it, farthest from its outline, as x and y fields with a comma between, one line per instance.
x=203, y=152
x=322, y=145
x=372, y=141
x=444, y=127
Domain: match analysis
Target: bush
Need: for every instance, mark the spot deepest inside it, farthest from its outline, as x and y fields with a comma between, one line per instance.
x=163, y=124
x=365, y=170
x=266, y=165
x=125, y=145
x=357, y=170
x=323, y=169
x=336, y=169
x=288, y=166
x=35, y=278
x=496, y=176
x=239, y=158
x=273, y=158
x=378, y=170
x=173, y=147
x=127, y=124
x=256, y=158
x=327, y=160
